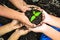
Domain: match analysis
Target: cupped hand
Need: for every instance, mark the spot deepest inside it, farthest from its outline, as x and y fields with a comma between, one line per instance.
x=25, y=8
x=41, y=28
x=46, y=16
x=26, y=21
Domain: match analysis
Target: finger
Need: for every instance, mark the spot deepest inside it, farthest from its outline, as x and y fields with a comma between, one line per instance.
x=40, y=9
x=33, y=29
x=45, y=13
x=14, y=22
x=21, y=25
x=26, y=31
x=17, y=30
x=17, y=26
x=31, y=26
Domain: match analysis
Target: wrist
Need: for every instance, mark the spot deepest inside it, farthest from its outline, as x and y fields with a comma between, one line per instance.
x=44, y=28
x=49, y=19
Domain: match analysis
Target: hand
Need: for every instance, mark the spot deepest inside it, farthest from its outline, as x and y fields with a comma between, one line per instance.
x=14, y=25
x=9, y=27
x=32, y=6
x=25, y=8
x=22, y=31
x=26, y=21
x=46, y=16
x=39, y=28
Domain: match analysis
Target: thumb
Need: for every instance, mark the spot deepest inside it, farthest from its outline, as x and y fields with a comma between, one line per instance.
x=31, y=25
x=44, y=13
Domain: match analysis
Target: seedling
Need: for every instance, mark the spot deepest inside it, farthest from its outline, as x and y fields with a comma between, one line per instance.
x=36, y=14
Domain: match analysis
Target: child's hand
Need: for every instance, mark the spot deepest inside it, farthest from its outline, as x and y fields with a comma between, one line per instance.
x=18, y=33
x=14, y=24
x=21, y=31
x=9, y=27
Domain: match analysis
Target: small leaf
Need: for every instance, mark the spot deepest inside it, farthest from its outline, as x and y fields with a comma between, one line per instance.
x=32, y=18
x=37, y=13
x=34, y=12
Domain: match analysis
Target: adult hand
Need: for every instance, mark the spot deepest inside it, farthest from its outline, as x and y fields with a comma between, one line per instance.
x=41, y=28
x=25, y=8
x=46, y=16
x=26, y=21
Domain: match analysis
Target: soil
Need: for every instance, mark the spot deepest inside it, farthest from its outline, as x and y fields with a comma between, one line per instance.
x=29, y=14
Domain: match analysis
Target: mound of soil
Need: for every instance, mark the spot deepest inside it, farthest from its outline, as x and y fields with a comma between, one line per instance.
x=29, y=14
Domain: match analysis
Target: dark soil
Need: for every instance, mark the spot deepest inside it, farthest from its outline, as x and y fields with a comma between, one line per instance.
x=29, y=14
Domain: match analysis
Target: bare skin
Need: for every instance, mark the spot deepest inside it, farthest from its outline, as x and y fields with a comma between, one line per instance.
x=12, y=26
x=9, y=27
x=10, y=13
x=46, y=29
x=52, y=20
x=21, y=4
x=18, y=33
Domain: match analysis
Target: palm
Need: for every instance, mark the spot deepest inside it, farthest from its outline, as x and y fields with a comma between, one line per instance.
x=26, y=21
x=46, y=16
x=39, y=28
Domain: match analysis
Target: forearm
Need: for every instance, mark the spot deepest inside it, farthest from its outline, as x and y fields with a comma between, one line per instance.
x=20, y=3
x=10, y=13
x=55, y=21
x=5, y=29
x=52, y=33
x=14, y=36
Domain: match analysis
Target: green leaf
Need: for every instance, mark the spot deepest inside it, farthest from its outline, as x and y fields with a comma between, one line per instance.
x=34, y=12
x=37, y=13
x=32, y=18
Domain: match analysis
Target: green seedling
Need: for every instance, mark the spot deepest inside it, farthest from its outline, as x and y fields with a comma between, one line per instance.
x=36, y=14
x=32, y=18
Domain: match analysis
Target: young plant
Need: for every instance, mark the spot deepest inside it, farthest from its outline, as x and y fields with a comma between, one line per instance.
x=36, y=14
